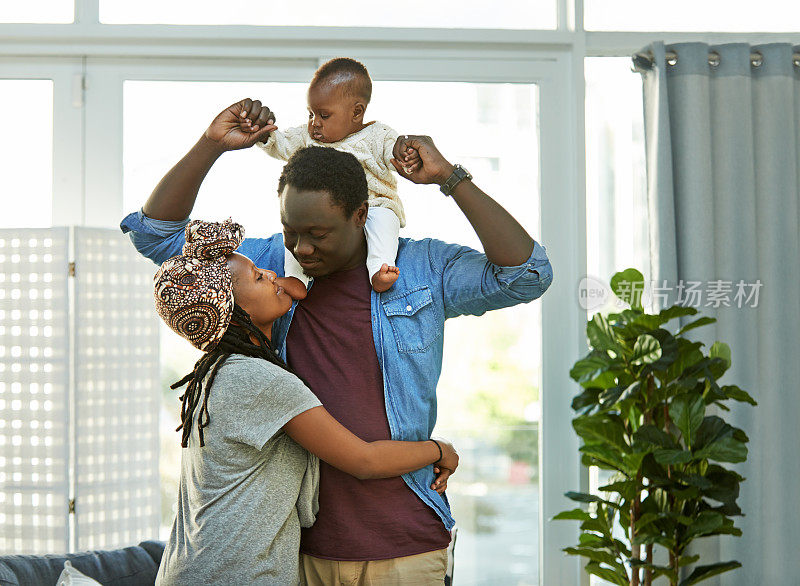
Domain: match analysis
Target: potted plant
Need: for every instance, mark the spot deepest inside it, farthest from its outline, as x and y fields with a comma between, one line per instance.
x=646, y=413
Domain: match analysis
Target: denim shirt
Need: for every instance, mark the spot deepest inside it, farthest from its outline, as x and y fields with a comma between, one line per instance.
x=437, y=281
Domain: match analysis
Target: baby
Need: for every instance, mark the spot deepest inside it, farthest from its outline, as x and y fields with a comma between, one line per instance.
x=338, y=96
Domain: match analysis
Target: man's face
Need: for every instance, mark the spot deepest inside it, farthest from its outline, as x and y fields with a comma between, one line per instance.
x=319, y=235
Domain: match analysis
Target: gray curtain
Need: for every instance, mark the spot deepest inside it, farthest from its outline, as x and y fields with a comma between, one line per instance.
x=722, y=143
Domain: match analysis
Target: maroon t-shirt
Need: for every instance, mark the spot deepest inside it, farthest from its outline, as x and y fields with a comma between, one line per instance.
x=330, y=345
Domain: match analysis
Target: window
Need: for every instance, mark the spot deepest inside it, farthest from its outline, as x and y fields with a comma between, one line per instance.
x=617, y=235
x=42, y=11
x=149, y=152
x=26, y=152
x=533, y=14
x=689, y=15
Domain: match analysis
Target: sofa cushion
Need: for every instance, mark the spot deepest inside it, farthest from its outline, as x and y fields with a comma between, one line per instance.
x=131, y=566
x=72, y=577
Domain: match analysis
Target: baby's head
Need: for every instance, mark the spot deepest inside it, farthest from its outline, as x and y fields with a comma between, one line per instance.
x=337, y=99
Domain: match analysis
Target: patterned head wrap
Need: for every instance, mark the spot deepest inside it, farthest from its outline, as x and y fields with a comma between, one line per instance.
x=194, y=290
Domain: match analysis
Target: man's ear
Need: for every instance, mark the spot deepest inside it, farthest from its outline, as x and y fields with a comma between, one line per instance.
x=359, y=108
x=360, y=215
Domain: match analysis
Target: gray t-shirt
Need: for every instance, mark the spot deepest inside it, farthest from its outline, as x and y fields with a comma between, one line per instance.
x=244, y=496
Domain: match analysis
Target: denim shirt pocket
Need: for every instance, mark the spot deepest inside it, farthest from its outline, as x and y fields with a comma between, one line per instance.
x=414, y=319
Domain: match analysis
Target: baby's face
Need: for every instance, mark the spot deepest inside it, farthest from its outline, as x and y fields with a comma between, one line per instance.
x=331, y=114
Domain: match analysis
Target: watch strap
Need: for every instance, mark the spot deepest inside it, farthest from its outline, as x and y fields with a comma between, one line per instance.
x=457, y=176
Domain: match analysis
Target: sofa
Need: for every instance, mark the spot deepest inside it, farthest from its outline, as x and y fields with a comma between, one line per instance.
x=130, y=566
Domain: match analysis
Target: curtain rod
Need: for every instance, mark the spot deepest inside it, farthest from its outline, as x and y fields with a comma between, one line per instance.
x=643, y=61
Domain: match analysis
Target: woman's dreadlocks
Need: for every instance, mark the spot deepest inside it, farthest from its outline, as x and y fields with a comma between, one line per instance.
x=236, y=340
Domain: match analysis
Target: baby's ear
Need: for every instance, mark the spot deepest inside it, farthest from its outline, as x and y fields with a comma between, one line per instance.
x=359, y=108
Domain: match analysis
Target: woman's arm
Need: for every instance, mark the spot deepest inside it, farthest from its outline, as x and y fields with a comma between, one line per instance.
x=318, y=432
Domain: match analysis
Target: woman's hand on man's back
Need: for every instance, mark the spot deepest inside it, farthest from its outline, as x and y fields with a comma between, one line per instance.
x=445, y=467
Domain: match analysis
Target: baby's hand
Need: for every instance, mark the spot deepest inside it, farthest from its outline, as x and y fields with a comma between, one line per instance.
x=411, y=160
x=253, y=121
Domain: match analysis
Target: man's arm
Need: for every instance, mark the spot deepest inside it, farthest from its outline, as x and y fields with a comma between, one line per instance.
x=157, y=230
x=505, y=241
x=239, y=126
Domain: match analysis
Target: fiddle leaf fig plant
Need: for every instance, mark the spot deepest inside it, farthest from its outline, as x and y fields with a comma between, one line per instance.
x=646, y=412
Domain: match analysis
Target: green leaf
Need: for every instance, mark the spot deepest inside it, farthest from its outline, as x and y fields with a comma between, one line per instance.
x=649, y=321
x=628, y=285
x=594, y=540
x=607, y=574
x=686, y=560
x=669, y=349
x=706, y=522
x=697, y=480
x=604, y=453
x=703, y=572
x=687, y=413
x=676, y=311
x=587, y=368
x=610, y=396
x=726, y=449
x=710, y=430
x=597, y=555
x=601, y=428
x=646, y=350
x=650, y=434
x=601, y=334
x=623, y=488
x=631, y=392
x=703, y=321
x=737, y=394
x=653, y=471
x=716, y=440
x=721, y=350
x=723, y=485
x=689, y=354
x=583, y=497
x=586, y=401
x=604, y=380
x=672, y=457
x=573, y=515
x=633, y=462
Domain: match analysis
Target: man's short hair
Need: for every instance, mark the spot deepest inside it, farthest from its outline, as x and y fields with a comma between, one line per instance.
x=324, y=169
x=349, y=74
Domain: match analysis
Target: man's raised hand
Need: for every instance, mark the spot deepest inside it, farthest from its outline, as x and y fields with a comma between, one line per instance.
x=428, y=166
x=241, y=125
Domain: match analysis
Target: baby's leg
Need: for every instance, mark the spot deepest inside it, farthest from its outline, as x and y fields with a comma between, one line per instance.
x=383, y=229
x=292, y=268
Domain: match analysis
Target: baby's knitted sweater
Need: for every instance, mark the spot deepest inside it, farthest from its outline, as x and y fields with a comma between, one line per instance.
x=372, y=146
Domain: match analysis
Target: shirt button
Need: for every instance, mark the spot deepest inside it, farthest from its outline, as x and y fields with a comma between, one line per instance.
x=408, y=308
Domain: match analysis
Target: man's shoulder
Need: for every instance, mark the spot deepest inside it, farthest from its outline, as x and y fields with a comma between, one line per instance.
x=263, y=249
x=428, y=253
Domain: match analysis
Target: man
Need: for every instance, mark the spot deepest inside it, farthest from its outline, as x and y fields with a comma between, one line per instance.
x=373, y=359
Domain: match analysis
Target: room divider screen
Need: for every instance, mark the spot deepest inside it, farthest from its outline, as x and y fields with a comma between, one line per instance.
x=79, y=391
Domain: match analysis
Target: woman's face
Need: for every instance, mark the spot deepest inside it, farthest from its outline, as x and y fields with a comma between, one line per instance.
x=259, y=292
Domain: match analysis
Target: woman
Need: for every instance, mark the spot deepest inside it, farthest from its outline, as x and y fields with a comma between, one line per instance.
x=247, y=482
